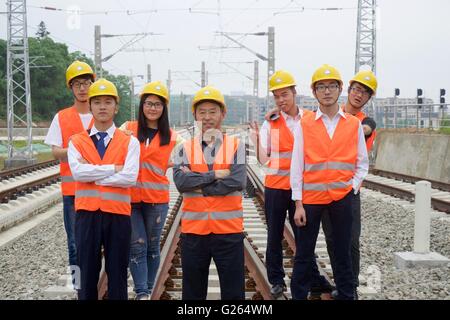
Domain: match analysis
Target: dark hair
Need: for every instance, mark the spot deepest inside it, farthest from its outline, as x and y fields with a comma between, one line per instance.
x=163, y=122
x=84, y=77
x=369, y=90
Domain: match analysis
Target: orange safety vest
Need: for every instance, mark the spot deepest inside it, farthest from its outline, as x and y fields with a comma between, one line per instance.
x=282, y=144
x=213, y=214
x=92, y=197
x=70, y=124
x=329, y=163
x=369, y=142
x=152, y=185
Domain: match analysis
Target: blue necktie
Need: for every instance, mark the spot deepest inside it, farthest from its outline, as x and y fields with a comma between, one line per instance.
x=101, y=143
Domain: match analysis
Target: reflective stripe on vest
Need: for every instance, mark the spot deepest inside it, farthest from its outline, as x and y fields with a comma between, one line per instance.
x=151, y=167
x=69, y=123
x=330, y=164
x=92, y=197
x=102, y=195
x=65, y=179
x=276, y=172
x=152, y=184
x=225, y=215
x=211, y=214
x=326, y=186
x=199, y=195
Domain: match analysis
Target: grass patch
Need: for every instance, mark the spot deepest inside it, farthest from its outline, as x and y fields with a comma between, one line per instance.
x=41, y=157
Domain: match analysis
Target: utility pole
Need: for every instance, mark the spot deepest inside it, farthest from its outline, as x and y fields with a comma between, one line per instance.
x=132, y=106
x=271, y=60
x=18, y=84
x=366, y=40
x=149, y=73
x=181, y=109
x=169, y=84
x=255, y=109
x=203, y=74
x=98, y=51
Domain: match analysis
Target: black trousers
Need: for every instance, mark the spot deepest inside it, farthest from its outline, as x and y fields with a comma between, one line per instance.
x=113, y=231
x=278, y=203
x=340, y=213
x=227, y=250
x=356, y=233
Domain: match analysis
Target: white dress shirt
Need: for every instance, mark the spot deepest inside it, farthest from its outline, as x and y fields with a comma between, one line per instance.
x=298, y=160
x=105, y=175
x=291, y=123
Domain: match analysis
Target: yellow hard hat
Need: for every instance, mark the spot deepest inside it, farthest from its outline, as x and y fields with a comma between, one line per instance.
x=103, y=87
x=209, y=93
x=78, y=68
x=326, y=72
x=281, y=79
x=367, y=78
x=157, y=88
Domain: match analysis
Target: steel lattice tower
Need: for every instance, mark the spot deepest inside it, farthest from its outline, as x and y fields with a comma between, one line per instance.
x=366, y=40
x=18, y=84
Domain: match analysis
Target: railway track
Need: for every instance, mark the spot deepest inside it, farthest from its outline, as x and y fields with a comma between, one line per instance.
x=20, y=181
x=11, y=173
x=168, y=284
x=403, y=186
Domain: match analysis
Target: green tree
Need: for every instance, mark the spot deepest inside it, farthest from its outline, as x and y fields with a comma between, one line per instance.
x=48, y=89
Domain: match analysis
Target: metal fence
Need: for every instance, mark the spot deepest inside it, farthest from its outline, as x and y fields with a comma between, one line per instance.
x=434, y=116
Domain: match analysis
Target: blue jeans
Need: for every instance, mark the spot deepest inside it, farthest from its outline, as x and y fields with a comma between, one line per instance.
x=147, y=222
x=69, y=225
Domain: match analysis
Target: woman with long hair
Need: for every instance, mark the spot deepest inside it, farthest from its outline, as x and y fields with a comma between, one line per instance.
x=150, y=197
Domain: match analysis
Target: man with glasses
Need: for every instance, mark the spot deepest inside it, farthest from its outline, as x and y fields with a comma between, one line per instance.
x=329, y=162
x=66, y=123
x=276, y=142
x=362, y=87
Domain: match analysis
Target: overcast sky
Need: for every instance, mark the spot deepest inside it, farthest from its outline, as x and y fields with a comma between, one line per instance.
x=413, y=39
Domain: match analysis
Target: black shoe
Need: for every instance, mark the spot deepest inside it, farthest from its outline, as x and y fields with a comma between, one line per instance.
x=323, y=288
x=334, y=294
x=277, y=290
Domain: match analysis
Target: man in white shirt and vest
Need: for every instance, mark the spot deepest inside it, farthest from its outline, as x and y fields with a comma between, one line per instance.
x=274, y=145
x=104, y=162
x=329, y=162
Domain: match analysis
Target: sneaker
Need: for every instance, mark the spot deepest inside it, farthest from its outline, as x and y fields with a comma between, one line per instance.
x=143, y=297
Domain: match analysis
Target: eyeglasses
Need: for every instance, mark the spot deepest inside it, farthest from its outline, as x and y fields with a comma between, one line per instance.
x=356, y=90
x=78, y=84
x=323, y=88
x=156, y=105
